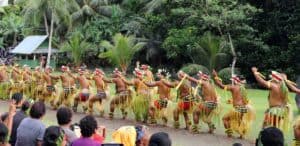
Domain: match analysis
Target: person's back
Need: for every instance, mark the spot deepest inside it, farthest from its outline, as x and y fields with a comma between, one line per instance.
x=271, y=136
x=88, y=126
x=31, y=129
x=18, y=117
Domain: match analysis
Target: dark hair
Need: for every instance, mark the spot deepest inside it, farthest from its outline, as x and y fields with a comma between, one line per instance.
x=3, y=133
x=53, y=135
x=160, y=139
x=64, y=115
x=38, y=109
x=25, y=106
x=17, y=97
x=4, y=116
x=271, y=136
x=88, y=125
x=237, y=144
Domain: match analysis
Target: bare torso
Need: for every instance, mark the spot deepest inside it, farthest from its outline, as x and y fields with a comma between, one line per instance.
x=84, y=83
x=67, y=81
x=184, y=89
x=163, y=90
x=208, y=92
x=3, y=76
x=120, y=85
x=237, y=98
x=276, y=97
x=100, y=84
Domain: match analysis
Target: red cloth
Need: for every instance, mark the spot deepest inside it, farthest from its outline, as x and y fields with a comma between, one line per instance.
x=84, y=97
x=184, y=105
x=98, y=138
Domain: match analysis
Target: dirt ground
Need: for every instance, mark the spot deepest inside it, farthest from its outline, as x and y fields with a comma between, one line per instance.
x=179, y=137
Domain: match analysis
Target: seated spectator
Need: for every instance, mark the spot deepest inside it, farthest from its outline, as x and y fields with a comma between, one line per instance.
x=64, y=118
x=88, y=126
x=131, y=136
x=19, y=116
x=31, y=130
x=271, y=136
x=54, y=136
x=3, y=135
x=160, y=139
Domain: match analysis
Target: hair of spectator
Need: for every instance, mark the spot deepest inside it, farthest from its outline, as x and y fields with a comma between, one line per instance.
x=25, y=106
x=17, y=97
x=4, y=116
x=3, y=133
x=38, y=109
x=88, y=125
x=237, y=144
x=160, y=139
x=272, y=136
x=64, y=115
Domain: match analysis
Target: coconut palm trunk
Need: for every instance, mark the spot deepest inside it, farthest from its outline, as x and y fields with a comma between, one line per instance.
x=50, y=41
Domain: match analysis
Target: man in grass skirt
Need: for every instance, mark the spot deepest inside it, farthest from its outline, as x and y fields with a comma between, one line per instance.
x=241, y=116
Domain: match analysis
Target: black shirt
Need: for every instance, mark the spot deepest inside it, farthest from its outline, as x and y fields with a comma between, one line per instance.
x=19, y=116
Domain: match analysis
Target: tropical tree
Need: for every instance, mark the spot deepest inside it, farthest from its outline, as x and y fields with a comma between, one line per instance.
x=77, y=46
x=58, y=11
x=213, y=50
x=11, y=25
x=121, y=51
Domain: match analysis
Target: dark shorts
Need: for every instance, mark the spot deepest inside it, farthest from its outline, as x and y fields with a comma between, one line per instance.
x=50, y=88
x=210, y=105
x=101, y=95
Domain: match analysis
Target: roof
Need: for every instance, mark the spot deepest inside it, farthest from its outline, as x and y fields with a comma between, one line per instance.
x=45, y=51
x=3, y=3
x=29, y=44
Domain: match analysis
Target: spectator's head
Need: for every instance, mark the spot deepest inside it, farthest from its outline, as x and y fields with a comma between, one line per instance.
x=18, y=98
x=88, y=125
x=160, y=139
x=4, y=116
x=54, y=136
x=38, y=110
x=271, y=136
x=3, y=133
x=64, y=116
x=25, y=106
x=237, y=144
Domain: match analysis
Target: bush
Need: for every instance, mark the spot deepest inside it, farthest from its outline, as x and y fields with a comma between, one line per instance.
x=225, y=74
x=192, y=69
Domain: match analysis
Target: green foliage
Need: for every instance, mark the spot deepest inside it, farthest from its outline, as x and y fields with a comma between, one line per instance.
x=121, y=52
x=193, y=69
x=77, y=46
x=225, y=74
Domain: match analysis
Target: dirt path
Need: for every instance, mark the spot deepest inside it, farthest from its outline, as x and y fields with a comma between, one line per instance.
x=179, y=137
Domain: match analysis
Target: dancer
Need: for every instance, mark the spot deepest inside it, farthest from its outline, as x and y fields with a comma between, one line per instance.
x=240, y=118
x=38, y=86
x=101, y=91
x=160, y=105
x=68, y=84
x=147, y=73
x=84, y=93
x=50, y=92
x=279, y=112
x=122, y=98
x=186, y=102
x=207, y=109
x=4, y=82
x=140, y=103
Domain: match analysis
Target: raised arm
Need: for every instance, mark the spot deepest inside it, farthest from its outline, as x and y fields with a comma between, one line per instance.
x=192, y=79
x=260, y=79
x=169, y=84
x=150, y=84
x=130, y=83
x=219, y=83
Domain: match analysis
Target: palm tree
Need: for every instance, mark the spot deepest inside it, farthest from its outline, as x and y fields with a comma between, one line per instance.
x=12, y=25
x=213, y=51
x=55, y=10
x=77, y=46
x=121, y=52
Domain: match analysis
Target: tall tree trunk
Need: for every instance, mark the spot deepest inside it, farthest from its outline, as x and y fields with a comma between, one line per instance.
x=233, y=54
x=46, y=24
x=15, y=39
x=50, y=41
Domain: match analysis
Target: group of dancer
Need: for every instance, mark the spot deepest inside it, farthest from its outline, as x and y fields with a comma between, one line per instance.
x=151, y=100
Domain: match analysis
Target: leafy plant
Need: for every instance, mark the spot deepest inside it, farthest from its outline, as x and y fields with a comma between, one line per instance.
x=120, y=52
